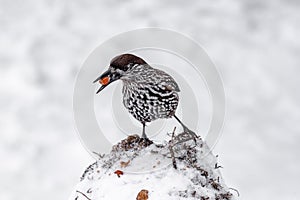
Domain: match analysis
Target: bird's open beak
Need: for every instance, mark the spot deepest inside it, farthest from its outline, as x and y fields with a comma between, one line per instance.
x=105, y=79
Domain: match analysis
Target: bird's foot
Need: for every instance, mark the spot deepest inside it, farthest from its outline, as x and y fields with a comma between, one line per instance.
x=144, y=136
x=145, y=141
x=191, y=133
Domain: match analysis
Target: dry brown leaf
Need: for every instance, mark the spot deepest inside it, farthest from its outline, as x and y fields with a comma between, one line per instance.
x=124, y=164
x=119, y=173
x=142, y=195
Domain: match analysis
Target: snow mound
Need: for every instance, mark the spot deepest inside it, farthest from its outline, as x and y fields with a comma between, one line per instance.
x=139, y=169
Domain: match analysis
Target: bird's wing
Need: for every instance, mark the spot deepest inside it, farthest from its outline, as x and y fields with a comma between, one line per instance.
x=166, y=81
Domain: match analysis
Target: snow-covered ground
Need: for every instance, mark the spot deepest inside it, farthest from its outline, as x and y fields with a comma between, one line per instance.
x=132, y=166
x=255, y=44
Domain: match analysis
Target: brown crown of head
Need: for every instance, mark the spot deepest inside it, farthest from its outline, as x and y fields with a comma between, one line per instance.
x=122, y=61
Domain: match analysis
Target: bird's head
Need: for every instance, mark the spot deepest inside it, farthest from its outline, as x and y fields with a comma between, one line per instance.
x=119, y=67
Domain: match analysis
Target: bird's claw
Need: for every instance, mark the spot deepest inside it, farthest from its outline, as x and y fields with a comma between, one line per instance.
x=191, y=133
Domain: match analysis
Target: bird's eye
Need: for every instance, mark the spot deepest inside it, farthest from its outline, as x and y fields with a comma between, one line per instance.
x=127, y=67
x=112, y=69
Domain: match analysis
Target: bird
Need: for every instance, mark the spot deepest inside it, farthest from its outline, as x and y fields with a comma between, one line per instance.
x=148, y=93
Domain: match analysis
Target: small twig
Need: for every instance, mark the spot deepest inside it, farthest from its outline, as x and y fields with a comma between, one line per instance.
x=98, y=154
x=171, y=149
x=218, y=166
x=173, y=133
x=83, y=195
x=89, y=190
x=215, y=185
x=237, y=192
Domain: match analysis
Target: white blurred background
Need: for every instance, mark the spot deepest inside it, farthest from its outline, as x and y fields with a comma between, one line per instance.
x=255, y=45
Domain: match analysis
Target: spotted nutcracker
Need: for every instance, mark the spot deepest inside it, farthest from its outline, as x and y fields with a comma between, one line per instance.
x=148, y=93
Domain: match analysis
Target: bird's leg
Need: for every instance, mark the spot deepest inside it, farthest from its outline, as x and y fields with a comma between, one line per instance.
x=144, y=136
x=144, y=141
x=186, y=129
